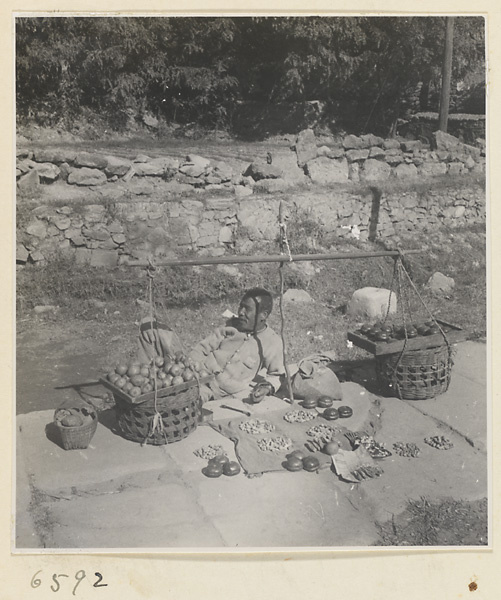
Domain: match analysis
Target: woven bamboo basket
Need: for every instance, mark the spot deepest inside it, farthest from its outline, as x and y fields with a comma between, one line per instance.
x=179, y=413
x=416, y=374
x=77, y=438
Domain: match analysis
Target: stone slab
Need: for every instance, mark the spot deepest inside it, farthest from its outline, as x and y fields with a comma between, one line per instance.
x=108, y=456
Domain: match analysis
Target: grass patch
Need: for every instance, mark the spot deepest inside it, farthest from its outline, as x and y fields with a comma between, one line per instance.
x=445, y=523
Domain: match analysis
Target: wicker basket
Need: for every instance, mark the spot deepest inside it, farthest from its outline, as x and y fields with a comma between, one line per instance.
x=416, y=374
x=77, y=438
x=179, y=413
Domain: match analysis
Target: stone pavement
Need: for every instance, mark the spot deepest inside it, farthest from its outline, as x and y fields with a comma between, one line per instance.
x=118, y=494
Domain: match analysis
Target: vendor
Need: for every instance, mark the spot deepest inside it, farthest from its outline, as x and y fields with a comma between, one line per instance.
x=235, y=353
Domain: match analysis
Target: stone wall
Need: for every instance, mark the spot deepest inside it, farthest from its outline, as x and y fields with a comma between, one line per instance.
x=166, y=206
x=216, y=226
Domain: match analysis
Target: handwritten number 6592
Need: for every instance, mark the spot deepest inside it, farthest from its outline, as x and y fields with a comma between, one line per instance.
x=79, y=576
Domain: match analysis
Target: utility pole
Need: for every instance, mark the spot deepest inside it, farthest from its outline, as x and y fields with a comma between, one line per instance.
x=445, y=92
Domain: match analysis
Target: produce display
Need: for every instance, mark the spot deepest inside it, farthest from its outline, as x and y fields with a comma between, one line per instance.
x=209, y=451
x=386, y=333
x=345, y=412
x=136, y=379
x=219, y=465
x=278, y=444
x=73, y=417
x=439, y=442
x=311, y=463
x=367, y=472
x=300, y=416
x=375, y=449
x=325, y=402
x=321, y=430
x=309, y=403
x=408, y=449
x=256, y=426
x=331, y=414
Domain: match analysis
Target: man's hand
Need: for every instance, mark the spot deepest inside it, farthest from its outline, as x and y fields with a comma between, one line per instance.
x=260, y=391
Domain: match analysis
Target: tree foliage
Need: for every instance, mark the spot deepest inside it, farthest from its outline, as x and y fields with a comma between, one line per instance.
x=367, y=70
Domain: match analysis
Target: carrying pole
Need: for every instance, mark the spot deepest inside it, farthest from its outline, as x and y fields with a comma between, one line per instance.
x=280, y=258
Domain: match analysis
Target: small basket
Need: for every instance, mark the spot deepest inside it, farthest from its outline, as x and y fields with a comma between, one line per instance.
x=179, y=414
x=416, y=374
x=78, y=438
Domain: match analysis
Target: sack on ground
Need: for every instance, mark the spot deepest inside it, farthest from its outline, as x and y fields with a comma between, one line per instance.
x=315, y=378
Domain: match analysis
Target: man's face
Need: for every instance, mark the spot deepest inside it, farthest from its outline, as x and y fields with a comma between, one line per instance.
x=247, y=312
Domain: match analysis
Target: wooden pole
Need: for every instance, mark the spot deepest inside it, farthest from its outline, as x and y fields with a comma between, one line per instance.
x=283, y=246
x=229, y=260
x=445, y=92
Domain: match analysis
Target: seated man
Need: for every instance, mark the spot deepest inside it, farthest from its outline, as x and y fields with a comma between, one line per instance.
x=236, y=353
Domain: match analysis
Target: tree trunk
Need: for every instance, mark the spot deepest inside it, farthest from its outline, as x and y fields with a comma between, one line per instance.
x=445, y=92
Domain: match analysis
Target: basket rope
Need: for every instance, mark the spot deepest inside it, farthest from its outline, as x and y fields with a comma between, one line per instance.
x=399, y=271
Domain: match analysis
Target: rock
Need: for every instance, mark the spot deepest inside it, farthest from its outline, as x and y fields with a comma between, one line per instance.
x=469, y=163
x=229, y=270
x=459, y=212
x=440, y=284
x=175, y=187
x=269, y=186
x=354, y=172
x=64, y=171
x=24, y=152
x=103, y=258
x=29, y=183
x=306, y=147
x=455, y=168
x=142, y=158
x=303, y=268
x=324, y=170
x=241, y=191
x=372, y=303
x=391, y=144
x=56, y=156
x=75, y=237
x=90, y=159
x=406, y=171
x=140, y=187
x=98, y=233
x=44, y=308
x=226, y=235
x=223, y=171
x=86, y=176
x=376, y=152
x=150, y=121
x=118, y=238
x=370, y=139
x=37, y=256
x=47, y=171
x=158, y=167
x=262, y=170
x=357, y=155
x=115, y=227
x=443, y=155
x=299, y=296
x=411, y=145
x=62, y=222
x=21, y=254
x=37, y=229
x=351, y=142
x=430, y=169
x=195, y=166
x=117, y=166
x=375, y=170
x=393, y=158
x=25, y=166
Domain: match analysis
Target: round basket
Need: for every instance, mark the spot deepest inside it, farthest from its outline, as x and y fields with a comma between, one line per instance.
x=416, y=374
x=179, y=413
x=77, y=438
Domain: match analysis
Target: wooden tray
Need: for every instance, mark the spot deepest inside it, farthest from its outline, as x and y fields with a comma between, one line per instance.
x=454, y=334
x=161, y=393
